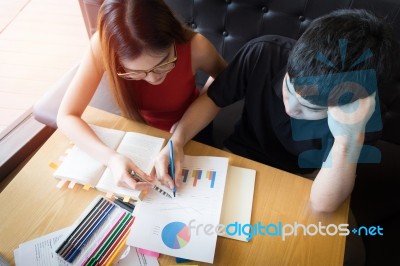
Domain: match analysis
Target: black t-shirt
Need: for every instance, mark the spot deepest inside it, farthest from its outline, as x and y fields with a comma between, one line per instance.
x=265, y=132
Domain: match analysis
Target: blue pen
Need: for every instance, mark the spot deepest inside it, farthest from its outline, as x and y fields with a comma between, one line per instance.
x=171, y=163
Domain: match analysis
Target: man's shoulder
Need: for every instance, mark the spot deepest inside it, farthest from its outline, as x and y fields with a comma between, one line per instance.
x=272, y=41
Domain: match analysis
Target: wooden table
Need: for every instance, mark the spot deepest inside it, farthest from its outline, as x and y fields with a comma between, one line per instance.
x=32, y=206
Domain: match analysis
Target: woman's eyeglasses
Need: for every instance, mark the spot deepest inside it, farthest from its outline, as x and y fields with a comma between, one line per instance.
x=158, y=69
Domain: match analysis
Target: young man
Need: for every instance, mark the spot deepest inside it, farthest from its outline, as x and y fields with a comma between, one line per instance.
x=309, y=104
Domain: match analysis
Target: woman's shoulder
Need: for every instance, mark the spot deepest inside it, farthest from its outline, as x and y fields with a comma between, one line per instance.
x=199, y=43
x=95, y=42
x=96, y=51
x=201, y=48
x=205, y=56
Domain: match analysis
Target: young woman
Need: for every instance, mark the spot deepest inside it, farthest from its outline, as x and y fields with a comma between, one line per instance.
x=150, y=59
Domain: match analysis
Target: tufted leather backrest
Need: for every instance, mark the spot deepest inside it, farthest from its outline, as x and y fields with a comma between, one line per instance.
x=229, y=24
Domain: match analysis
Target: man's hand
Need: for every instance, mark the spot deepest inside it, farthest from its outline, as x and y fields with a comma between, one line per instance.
x=349, y=120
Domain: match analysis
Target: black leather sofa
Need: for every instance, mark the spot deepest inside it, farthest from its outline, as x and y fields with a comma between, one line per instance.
x=228, y=24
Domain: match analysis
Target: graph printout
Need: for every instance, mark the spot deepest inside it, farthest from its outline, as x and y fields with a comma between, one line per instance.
x=176, y=226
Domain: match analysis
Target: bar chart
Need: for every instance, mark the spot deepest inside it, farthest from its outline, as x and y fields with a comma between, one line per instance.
x=197, y=174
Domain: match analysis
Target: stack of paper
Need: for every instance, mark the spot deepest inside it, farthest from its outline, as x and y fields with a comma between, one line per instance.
x=97, y=237
x=40, y=252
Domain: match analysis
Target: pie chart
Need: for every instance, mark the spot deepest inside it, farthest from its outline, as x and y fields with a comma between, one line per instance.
x=175, y=235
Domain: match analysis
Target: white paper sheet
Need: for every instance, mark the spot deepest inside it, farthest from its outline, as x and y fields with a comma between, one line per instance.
x=162, y=224
x=40, y=252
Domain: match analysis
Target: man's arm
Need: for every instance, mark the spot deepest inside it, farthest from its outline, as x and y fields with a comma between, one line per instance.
x=335, y=181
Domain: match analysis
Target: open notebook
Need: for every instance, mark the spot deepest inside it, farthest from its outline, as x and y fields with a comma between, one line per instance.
x=81, y=168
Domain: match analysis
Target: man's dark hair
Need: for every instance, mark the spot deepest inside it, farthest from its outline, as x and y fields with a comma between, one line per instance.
x=340, y=45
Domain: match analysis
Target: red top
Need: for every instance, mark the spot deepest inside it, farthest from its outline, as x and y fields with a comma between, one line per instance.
x=163, y=105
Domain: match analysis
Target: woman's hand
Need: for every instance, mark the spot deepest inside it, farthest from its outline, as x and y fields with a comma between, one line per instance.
x=121, y=166
x=162, y=165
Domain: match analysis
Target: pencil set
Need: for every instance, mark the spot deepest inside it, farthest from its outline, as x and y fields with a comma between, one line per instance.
x=98, y=236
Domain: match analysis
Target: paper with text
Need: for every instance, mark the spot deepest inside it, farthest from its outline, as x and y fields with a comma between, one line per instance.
x=40, y=252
